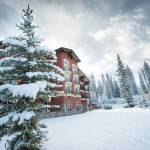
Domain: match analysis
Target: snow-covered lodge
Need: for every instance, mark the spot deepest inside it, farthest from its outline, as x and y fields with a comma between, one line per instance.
x=76, y=95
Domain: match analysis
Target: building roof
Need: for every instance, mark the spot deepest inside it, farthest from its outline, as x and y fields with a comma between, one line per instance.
x=69, y=51
x=81, y=74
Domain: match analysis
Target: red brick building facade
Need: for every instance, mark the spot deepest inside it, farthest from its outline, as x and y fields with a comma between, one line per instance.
x=76, y=96
x=76, y=85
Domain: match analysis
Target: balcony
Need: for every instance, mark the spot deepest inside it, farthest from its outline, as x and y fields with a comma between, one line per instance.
x=85, y=96
x=68, y=93
x=82, y=89
x=77, y=94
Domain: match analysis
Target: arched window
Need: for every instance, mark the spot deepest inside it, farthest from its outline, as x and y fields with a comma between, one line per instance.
x=74, y=69
x=66, y=65
x=76, y=91
x=68, y=89
x=69, y=105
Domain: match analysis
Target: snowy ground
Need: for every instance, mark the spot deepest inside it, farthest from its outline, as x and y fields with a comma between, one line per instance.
x=116, y=129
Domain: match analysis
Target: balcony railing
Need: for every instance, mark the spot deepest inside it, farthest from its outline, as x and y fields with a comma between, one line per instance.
x=67, y=80
x=86, y=96
x=68, y=92
x=82, y=88
x=76, y=93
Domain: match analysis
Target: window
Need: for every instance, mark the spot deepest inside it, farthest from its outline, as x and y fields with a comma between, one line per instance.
x=78, y=105
x=67, y=78
x=69, y=105
x=68, y=90
x=66, y=65
x=76, y=91
x=74, y=69
x=75, y=81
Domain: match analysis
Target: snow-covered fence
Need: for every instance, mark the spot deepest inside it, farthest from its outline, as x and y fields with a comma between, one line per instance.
x=57, y=114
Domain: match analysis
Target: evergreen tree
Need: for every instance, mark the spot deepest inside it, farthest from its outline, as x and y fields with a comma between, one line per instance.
x=28, y=73
x=112, y=86
x=144, y=89
x=147, y=72
x=93, y=90
x=100, y=89
x=108, y=87
x=144, y=78
x=123, y=81
x=131, y=80
x=117, y=89
x=104, y=95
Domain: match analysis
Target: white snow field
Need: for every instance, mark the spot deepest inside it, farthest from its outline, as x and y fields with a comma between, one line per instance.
x=116, y=129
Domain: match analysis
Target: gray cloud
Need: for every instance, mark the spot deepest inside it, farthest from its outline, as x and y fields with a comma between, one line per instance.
x=85, y=26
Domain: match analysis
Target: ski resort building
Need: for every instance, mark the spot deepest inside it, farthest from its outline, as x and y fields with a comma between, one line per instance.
x=76, y=96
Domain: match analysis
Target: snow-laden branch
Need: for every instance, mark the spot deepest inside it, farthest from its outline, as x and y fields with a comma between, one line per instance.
x=14, y=41
x=27, y=90
x=25, y=115
x=5, y=119
x=2, y=69
x=22, y=59
x=40, y=48
x=49, y=75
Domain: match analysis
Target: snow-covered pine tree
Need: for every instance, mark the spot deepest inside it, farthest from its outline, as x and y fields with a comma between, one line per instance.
x=144, y=78
x=132, y=82
x=144, y=89
x=108, y=87
x=100, y=89
x=93, y=89
x=104, y=95
x=147, y=72
x=123, y=81
x=112, y=86
x=117, y=89
x=28, y=73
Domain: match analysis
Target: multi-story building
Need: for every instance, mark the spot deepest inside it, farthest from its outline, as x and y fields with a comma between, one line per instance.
x=76, y=95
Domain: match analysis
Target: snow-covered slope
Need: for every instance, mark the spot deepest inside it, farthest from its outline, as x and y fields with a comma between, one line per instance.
x=116, y=129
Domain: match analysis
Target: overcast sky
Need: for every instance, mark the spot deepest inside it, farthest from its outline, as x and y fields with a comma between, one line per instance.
x=95, y=29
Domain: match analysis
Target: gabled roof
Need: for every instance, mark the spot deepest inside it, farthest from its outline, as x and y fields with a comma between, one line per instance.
x=69, y=51
x=81, y=74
